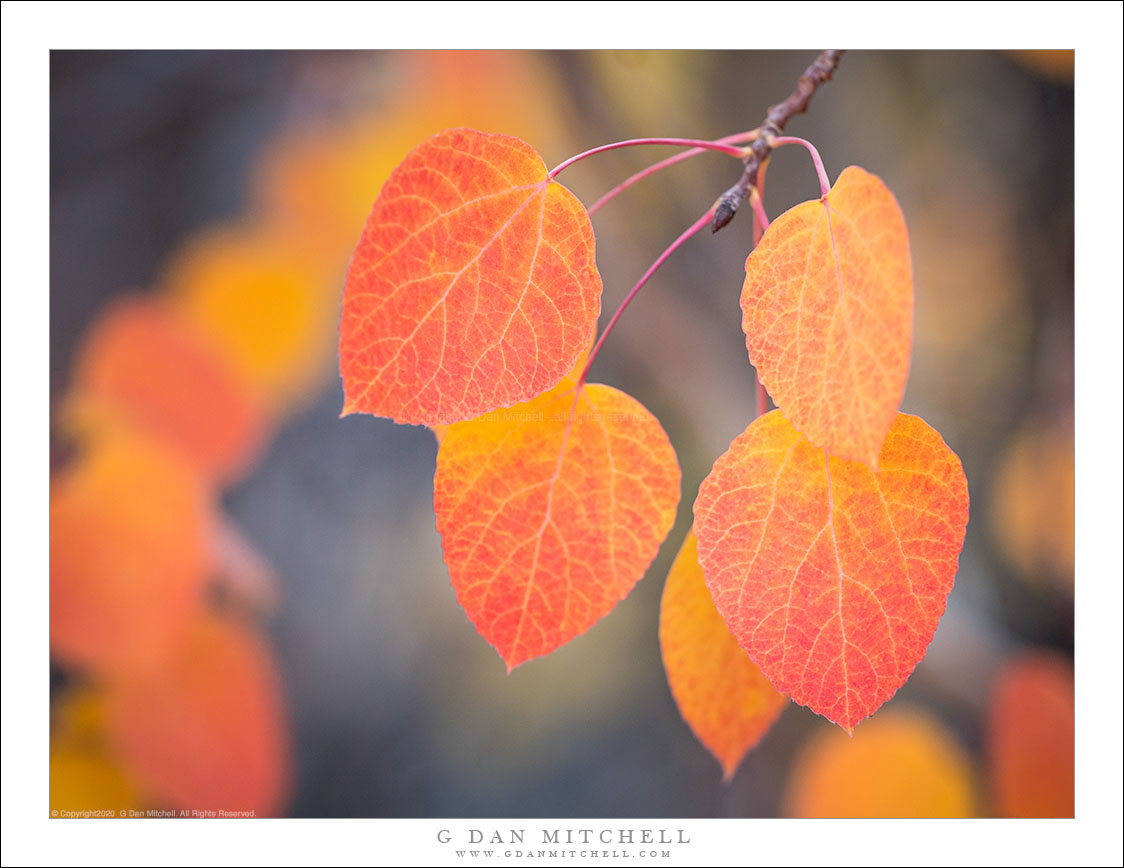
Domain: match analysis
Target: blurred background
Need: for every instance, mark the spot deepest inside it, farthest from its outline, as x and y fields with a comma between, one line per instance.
x=249, y=608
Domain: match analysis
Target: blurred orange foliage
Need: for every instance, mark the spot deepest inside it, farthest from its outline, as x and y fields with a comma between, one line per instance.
x=175, y=394
x=129, y=549
x=1032, y=512
x=320, y=183
x=89, y=781
x=898, y=764
x=1031, y=737
x=268, y=310
x=207, y=730
x=145, y=366
x=85, y=775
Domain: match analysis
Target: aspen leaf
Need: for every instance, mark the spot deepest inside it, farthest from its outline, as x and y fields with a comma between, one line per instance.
x=265, y=307
x=145, y=366
x=317, y=178
x=567, y=383
x=207, y=731
x=902, y=764
x=832, y=577
x=550, y=513
x=721, y=693
x=129, y=549
x=1031, y=737
x=827, y=309
x=473, y=287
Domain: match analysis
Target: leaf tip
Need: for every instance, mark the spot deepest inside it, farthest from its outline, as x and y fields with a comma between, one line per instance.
x=511, y=660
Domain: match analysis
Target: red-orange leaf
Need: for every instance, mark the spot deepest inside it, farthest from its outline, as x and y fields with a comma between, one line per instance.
x=828, y=315
x=831, y=576
x=207, y=731
x=550, y=512
x=143, y=364
x=1030, y=737
x=721, y=694
x=130, y=529
x=474, y=285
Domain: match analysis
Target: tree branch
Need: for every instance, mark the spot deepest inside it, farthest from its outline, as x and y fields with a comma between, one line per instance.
x=775, y=120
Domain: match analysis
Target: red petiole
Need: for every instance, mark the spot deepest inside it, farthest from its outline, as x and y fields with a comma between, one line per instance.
x=671, y=248
x=721, y=146
x=825, y=185
x=748, y=136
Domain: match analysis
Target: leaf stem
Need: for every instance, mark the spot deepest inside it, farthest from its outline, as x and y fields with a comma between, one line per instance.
x=671, y=248
x=825, y=185
x=720, y=146
x=760, y=218
x=747, y=136
x=762, y=398
x=760, y=224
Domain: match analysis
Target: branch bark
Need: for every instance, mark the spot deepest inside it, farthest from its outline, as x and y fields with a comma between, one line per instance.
x=820, y=71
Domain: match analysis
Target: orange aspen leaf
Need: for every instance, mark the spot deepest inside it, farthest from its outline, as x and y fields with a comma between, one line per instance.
x=551, y=512
x=722, y=695
x=568, y=382
x=317, y=178
x=1031, y=738
x=129, y=548
x=267, y=309
x=146, y=366
x=827, y=310
x=473, y=287
x=901, y=764
x=207, y=730
x=832, y=576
